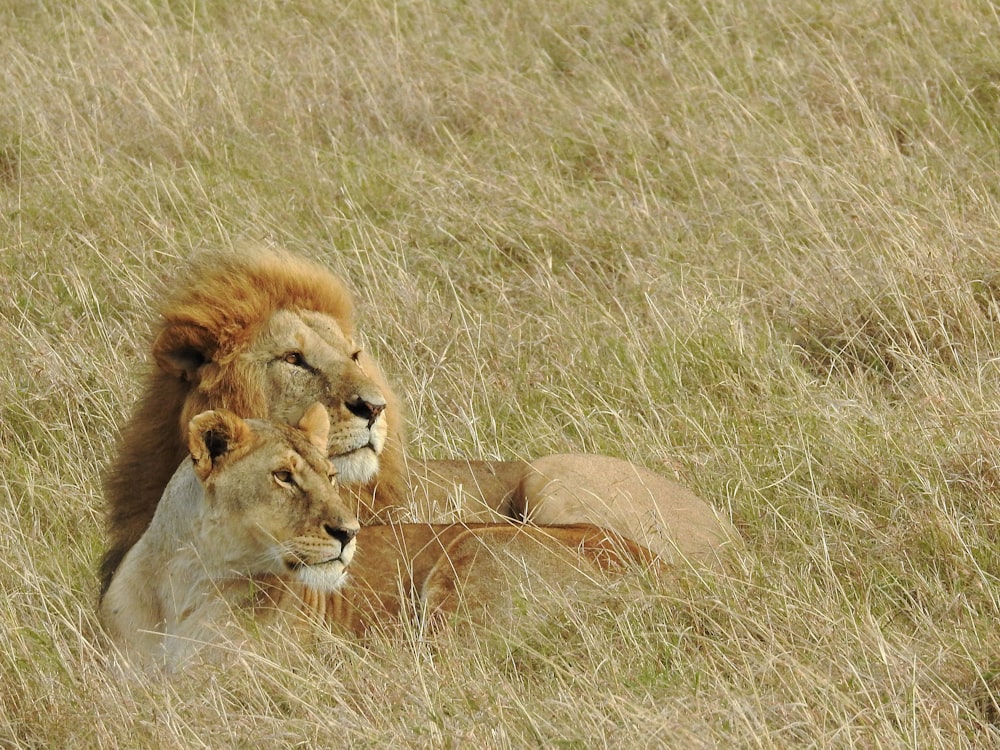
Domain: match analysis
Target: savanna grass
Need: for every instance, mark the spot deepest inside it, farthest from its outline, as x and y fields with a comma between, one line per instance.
x=750, y=245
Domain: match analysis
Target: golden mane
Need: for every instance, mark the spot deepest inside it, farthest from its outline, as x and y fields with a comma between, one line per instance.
x=206, y=320
x=230, y=295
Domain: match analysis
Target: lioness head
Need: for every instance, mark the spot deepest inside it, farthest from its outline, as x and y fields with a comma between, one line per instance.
x=271, y=506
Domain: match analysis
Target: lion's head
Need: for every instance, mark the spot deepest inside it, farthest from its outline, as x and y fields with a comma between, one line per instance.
x=291, y=357
x=262, y=334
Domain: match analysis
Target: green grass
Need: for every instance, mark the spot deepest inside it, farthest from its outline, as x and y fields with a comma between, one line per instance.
x=750, y=245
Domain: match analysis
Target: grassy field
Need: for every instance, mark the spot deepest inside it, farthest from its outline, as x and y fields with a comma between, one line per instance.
x=752, y=245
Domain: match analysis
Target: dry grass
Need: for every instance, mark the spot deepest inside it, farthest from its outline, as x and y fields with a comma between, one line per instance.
x=749, y=244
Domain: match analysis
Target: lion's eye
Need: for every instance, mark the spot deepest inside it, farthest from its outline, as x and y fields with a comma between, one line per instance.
x=356, y=356
x=294, y=358
x=333, y=477
x=284, y=478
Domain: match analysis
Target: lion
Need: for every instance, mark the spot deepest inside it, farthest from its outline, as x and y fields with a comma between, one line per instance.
x=264, y=334
x=252, y=529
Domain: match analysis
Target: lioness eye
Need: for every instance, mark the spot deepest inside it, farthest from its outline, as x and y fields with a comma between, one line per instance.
x=284, y=478
x=295, y=358
x=356, y=356
x=333, y=477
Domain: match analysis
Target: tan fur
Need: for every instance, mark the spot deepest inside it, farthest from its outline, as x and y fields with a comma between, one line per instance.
x=255, y=501
x=428, y=574
x=653, y=511
x=211, y=345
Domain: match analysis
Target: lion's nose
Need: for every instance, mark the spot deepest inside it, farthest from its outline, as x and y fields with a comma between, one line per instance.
x=343, y=534
x=365, y=408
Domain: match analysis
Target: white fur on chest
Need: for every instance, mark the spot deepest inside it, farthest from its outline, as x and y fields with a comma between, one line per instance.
x=195, y=599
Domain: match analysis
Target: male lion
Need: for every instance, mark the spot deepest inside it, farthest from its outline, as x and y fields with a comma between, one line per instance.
x=252, y=525
x=264, y=334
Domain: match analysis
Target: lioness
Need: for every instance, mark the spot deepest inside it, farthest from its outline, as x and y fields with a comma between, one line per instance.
x=253, y=526
x=265, y=334
x=255, y=500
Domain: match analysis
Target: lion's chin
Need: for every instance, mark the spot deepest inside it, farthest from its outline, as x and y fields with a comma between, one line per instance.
x=356, y=467
x=326, y=577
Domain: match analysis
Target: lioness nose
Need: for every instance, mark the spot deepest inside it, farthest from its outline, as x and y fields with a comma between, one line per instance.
x=341, y=533
x=361, y=407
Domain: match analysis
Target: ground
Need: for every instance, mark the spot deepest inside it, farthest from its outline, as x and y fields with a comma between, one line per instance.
x=749, y=245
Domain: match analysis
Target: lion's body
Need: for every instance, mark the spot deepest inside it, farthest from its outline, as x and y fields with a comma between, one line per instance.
x=425, y=573
x=256, y=502
x=232, y=334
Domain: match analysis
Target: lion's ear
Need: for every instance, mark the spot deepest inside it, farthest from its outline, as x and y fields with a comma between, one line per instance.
x=181, y=349
x=315, y=423
x=213, y=435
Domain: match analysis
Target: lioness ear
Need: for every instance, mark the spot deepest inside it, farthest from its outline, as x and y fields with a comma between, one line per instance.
x=181, y=349
x=315, y=423
x=212, y=435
